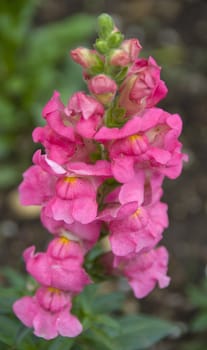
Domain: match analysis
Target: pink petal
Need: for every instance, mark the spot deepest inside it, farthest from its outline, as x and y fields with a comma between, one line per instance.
x=68, y=325
x=123, y=169
x=25, y=309
x=45, y=325
x=84, y=210
x=134, y=190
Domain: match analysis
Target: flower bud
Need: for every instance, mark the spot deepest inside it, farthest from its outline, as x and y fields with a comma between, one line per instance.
x=101, y=46
x=142, y=88
x=86, y=58
x=115, y=40
x=106, y=25
x=126, y=54
x=103, y=88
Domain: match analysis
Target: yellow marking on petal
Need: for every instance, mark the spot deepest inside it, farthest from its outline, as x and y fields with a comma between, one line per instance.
x=64, y=240
x=54, y=290
x=70, y=179
x=134, y=138
x=136, y=213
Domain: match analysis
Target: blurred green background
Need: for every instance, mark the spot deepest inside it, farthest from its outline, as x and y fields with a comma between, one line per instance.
x=35, y=39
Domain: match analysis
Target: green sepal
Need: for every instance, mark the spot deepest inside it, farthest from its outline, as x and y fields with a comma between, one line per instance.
x=101, y=46
x=114, y=40
x=115, y=117
x=121, y=75
x=105, y=25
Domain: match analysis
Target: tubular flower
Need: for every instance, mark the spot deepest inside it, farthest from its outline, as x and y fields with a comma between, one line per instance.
x=48, y=312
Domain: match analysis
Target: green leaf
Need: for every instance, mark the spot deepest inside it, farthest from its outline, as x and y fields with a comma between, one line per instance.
x=108, y=303
x=8, y=330
x=7, y=297
x=102, y=340
x=140, y=332
x=200, y=322
x=16, y=279
x=61, y=343
x=197, y=295
x=25, y=340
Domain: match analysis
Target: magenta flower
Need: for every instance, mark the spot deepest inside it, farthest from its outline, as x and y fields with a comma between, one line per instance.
x=58, y=121
x=103, y=88
x=149, y=140
x=137, y=224
x=36, y=178
x=128, y=52
x=144, y=270
x=60, y=267
x=86, y=58
x=48, y=312
x=86, y=234
x=58, y=148
x=85, y=113
x=142, y=87
x=72, y=192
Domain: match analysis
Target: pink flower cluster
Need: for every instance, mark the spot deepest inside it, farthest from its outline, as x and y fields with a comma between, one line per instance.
x=106, y=156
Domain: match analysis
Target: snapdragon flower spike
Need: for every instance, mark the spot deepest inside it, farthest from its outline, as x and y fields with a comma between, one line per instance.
x=48, y=312
x=106, y=156
x=144, y=270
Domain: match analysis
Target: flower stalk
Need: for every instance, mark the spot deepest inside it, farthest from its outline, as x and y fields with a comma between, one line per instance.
x=106, y=155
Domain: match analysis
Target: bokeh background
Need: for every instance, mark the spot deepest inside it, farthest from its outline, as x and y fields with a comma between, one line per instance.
x=35, y=39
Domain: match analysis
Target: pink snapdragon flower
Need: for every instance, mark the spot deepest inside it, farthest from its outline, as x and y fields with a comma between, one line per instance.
x=86, y=234
x=142, y=87
x=149, y=140
x=58, y=148
x=72, y=191
x=36, y=178
x=59, y=267
x=86, y=58
x=58, y=121
x=103, y=88
x=48, y=312
x=85, y=113
x=144, y=270
x=126, y=54
x=134, y=225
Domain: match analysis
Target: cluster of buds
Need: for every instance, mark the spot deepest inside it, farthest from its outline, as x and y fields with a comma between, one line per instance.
x=106, y=156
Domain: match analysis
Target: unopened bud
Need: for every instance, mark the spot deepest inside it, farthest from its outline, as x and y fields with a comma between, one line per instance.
x=126, y=54
x=101, y=46
x=105, y=25
x=86, y=58
x=115, y=40
x=103, y=88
